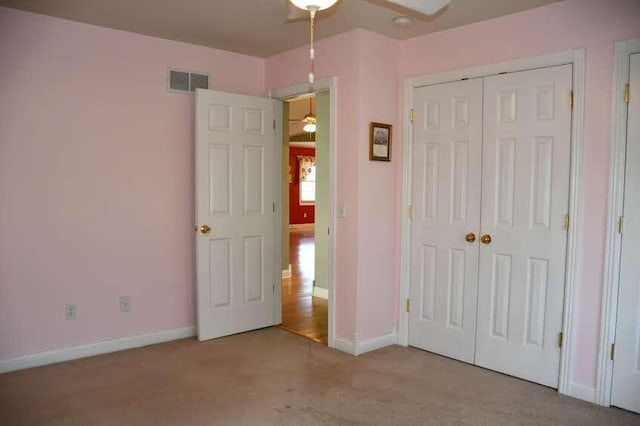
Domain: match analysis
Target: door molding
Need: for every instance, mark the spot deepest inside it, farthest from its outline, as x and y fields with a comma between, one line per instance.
x=575, y=57
x=328, y=84
x=613, y=244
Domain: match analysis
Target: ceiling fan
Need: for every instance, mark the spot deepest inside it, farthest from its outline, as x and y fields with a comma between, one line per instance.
x=309, y=120
x=426, y=7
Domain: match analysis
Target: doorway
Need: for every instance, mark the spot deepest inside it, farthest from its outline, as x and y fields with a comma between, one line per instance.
x=305, y=308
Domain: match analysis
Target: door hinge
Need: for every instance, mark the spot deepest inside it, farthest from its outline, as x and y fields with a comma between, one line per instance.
x=560, y=339
x=274, y=124
x=412, y=116
x=571, y=99
x=566, y=221
x=621, y=225
x=627, y=93
x=328, y=231
x=410, y=212
x=274, y=207
x=613, y=351
x=408, y=305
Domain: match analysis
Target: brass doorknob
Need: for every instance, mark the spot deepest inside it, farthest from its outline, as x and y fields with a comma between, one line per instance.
x=470, y=237
x=486, y=239
x=205, y=229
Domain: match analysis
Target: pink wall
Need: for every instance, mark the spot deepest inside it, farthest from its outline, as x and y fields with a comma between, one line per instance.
x=96, y=180
x=378, y=272
x=591, y=24
x=298, y=214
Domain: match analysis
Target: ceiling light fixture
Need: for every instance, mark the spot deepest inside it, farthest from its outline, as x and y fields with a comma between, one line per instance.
x=309, y=120
x=312, y=6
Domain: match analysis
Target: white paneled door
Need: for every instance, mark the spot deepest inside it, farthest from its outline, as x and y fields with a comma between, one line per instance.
x=235, y=154
x=625, y=392
x=446, y=180
x=490, y=190
x=525, y=192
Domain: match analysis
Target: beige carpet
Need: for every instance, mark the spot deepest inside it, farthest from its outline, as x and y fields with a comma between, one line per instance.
x=272, y=377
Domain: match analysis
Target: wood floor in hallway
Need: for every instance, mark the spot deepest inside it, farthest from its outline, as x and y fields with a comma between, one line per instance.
x=302, y=313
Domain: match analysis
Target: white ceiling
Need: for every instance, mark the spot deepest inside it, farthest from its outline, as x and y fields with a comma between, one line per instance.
x=259, y=27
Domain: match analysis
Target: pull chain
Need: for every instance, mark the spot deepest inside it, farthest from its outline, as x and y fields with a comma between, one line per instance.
x=312, y=53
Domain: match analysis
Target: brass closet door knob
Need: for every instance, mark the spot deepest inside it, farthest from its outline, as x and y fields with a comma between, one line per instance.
x=205, y=229
x=486, y=239
x=470, y=237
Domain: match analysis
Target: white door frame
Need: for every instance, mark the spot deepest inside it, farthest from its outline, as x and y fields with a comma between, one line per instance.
x=623, y=50
x=575, y=57
x=331, y=85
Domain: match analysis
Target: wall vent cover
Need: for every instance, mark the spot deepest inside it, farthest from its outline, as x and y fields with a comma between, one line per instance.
x=186, y=81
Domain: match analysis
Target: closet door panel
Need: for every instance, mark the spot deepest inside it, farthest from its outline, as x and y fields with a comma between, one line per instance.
x=446, y=164
x=525, y=192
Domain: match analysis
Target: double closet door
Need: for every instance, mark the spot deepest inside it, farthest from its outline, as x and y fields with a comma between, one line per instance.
x=490, y=191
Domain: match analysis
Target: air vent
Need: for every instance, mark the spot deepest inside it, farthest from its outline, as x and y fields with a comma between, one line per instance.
x=186, y=81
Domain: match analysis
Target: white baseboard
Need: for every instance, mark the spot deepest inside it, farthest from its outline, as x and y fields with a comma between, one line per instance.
x=584, y=392
x=357, y=346
x=368, y=345
x=344, y=345
x=286, y=273
x=91, y=349
x=320, y=292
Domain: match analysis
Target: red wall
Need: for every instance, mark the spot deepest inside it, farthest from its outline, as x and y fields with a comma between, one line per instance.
x=296, y=211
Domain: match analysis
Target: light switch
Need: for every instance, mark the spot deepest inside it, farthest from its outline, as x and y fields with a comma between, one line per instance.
x=342, y=210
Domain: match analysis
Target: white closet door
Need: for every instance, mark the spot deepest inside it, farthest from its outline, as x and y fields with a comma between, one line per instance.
x=525, y=187
x=626, y=366
x=446, y=206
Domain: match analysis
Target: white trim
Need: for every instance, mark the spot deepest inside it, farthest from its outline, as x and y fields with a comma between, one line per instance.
x=92, y=349
x=320, y=292
x=364, y=346
x=330, y=84
x=577, y=59
x=344, y=345
x=356, y=346
x=277, y=210
x=623, y=50
x=580, y=391
x=286, y=273
x=574, y=236
x=550, y=60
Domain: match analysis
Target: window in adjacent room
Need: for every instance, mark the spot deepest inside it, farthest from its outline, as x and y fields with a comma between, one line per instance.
x=307, y=180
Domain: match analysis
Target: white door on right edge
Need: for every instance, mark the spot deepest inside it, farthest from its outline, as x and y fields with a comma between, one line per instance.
x=625, y=392
x=525, y=192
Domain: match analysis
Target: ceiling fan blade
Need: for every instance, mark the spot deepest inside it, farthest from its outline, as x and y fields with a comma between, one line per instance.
x=427, y=7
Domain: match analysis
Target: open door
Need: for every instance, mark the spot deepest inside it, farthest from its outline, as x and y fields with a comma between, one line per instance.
x=236, y=269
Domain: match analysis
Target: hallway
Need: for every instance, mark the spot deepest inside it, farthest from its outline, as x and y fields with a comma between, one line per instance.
x=302, y=313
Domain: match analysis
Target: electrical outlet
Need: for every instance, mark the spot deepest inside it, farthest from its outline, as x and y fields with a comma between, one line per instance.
x=70, y=311
x=125, y=304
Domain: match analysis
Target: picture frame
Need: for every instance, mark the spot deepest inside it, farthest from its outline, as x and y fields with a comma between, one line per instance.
x=380, y=137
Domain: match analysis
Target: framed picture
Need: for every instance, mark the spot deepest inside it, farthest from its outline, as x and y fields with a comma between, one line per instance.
x=380, y=142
